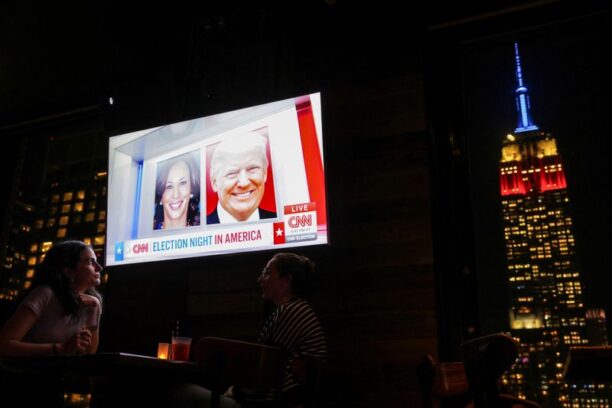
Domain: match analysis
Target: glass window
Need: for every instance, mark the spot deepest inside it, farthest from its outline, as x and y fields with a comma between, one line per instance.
x=65, y=208
x=76, y=219
x=89, y=217
x=27, y=284
x=39, y=224
x=52, y=210
x=45, y=246
x=81, y=195
x=99, y=240
x=91, y=205
x=87, y=241
x=50, y=222
x=63, y=220
x=55, y=198
x=32, y=261
x=33, y=247
x=68, y=196
x=102, y=215
x=101, y=227
x=30, y=273
x=61, y=233
x=78, y=207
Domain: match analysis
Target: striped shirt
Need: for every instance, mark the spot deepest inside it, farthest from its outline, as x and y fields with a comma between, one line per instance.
x=295, y=327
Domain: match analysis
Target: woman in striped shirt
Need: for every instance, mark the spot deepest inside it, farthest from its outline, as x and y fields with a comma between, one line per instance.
x=293, y=325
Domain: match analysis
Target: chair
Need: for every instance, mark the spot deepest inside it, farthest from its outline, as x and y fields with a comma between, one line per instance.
x=485, y=360
x=307, y=372
x=443, y=385
x=250, y=366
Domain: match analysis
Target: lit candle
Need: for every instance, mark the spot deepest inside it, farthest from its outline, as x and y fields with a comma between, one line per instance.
x=162, y=350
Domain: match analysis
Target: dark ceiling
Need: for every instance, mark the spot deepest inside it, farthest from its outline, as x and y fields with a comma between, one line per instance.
x=56, y=58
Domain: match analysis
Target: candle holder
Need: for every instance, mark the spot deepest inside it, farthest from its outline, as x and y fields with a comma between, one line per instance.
x=163, y=350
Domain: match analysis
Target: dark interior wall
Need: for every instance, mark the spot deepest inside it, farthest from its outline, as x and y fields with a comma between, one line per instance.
x=375, y=288
x=375, y=285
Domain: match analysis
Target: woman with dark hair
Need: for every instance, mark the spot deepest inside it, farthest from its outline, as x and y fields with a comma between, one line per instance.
x=177, y=193
x=293, y=325
x=61, y=314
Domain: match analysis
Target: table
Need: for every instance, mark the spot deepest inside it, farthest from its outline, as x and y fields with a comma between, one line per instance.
x=588, y=364
x=113, y=379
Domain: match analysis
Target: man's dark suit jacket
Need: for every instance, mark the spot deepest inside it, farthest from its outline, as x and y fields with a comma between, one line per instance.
x=213, y=217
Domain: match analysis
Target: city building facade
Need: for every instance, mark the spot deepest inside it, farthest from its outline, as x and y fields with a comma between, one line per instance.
x=547, y=313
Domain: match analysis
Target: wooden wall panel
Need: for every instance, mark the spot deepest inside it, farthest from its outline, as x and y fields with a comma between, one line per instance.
x=375, y=285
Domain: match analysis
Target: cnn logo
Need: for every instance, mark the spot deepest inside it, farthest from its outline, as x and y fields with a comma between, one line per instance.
x=298, y=221
x=139, y=248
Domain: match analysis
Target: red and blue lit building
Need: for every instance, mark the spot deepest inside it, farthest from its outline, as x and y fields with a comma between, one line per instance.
x=546, y=307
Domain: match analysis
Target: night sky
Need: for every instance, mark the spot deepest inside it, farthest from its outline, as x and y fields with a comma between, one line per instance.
x=566, y=68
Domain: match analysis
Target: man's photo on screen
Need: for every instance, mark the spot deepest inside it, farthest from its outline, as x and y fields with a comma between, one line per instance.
x=239, y=177
x=177, y=192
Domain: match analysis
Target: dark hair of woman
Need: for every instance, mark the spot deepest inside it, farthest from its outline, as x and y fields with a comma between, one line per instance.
x=193, y=210
x=65, y=254
x=300, y=268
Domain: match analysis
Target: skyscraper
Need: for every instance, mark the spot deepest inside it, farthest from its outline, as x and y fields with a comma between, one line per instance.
x=59, y=193
x=547, y=312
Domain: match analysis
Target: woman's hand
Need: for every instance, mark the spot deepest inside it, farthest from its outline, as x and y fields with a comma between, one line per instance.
x=77, y=344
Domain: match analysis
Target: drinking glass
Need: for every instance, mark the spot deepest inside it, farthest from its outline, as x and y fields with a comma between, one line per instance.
x=180, y=348
x=89, y=317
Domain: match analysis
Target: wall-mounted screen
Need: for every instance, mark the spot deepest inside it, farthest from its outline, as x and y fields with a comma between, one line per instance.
x=247, y=180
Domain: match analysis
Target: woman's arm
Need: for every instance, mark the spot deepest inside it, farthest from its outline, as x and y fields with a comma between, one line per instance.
x=20, y=323
x=15, y=330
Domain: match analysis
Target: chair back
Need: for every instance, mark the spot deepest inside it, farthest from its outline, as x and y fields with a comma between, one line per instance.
x=307, y=372
x=250, y=366
x=485, y=359
x=443, y=384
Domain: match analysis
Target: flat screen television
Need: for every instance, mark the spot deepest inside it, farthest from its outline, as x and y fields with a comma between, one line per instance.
x=246, y=180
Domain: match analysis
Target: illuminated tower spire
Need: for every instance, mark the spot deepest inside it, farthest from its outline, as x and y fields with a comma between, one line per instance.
x=525, y=123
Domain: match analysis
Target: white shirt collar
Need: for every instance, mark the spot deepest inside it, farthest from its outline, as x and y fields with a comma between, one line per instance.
x=227, y=218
